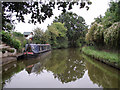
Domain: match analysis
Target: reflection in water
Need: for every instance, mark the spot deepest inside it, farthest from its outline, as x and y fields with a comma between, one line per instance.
x=67, y=66
x=101, y=74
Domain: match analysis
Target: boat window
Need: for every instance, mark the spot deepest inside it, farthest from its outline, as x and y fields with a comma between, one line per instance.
x=42, y=48
x=39, y=48
x=33, y=47
x=48, y=47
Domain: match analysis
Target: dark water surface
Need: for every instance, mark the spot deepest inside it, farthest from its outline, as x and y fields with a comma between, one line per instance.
x=67, y=68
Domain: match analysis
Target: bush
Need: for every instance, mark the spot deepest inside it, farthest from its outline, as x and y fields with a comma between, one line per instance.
x=90, y=35
x=16, y=43
x=18, y=34
x=112, y=35
x=109, y=37
x=6, y=37
x=98, y=36
x=9, y=40
x=57, y=34
x=7, y=49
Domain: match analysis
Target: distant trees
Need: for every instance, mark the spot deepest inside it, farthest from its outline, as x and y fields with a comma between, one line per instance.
x=76, y=28
x=67, y=30
x=38, y=36
x=55, y=35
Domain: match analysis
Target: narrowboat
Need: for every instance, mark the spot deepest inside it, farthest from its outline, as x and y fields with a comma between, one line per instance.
x=32, y=50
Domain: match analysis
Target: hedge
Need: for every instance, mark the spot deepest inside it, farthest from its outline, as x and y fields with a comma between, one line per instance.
x=9, y=40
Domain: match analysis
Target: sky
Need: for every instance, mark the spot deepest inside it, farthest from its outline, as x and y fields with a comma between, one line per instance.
x=97, y=8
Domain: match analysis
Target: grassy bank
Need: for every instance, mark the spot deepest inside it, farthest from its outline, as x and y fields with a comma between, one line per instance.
x=104, y=68
x=106, y=57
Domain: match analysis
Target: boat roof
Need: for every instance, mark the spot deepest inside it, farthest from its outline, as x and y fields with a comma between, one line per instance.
x=38, y=44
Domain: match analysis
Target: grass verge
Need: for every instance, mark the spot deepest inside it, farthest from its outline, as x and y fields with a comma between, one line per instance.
x=106, y=57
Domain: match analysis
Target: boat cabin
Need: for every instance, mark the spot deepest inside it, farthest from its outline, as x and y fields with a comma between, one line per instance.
x=37, y=48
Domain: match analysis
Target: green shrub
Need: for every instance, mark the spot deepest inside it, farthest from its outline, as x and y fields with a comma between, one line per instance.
x=8, y=39
x=109, y=37
x=57, y=35
x=18, y=34
x=16, y=43
x=98, y=37
x=90, y=35
x=112, y=35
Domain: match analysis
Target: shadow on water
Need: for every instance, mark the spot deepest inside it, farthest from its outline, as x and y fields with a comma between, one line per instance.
x=67, y=65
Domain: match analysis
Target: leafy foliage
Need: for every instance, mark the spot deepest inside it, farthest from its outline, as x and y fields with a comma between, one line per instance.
x=38, y=36
x=112, y=35
x=17, y=34
x=109, y=37
x=76, y=27
x=39, y=11
x=20, y=37
x=115, y=9
x=8, y=39
x=105, y=31
x=89, y=36
x=57, y=33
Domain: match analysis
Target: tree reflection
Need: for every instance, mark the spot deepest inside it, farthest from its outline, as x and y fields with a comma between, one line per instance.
x=35, y=65
x=10, y=70
x=102, y=75
x=67, y=65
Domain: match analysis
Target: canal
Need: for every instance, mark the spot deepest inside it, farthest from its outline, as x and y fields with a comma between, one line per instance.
x=65, y=68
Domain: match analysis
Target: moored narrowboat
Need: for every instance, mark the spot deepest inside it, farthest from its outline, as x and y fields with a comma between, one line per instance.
x=35, y=49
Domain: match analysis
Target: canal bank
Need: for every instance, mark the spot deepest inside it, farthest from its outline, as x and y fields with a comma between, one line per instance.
x=9, y=59
x=111, y=59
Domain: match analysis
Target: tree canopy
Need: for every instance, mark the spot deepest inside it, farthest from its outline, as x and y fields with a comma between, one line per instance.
x=105, y=31
x=76, y=27
x=57, y=35
x=39, y=11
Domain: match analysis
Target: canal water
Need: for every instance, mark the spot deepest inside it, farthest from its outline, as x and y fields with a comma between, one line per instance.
x=65, y=68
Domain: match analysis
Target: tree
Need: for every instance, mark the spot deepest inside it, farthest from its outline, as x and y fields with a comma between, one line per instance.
x=115, y=9
x=76, y=27
x=57, y=35
x=39, y=10
x=105, y=31
x=38, y=36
